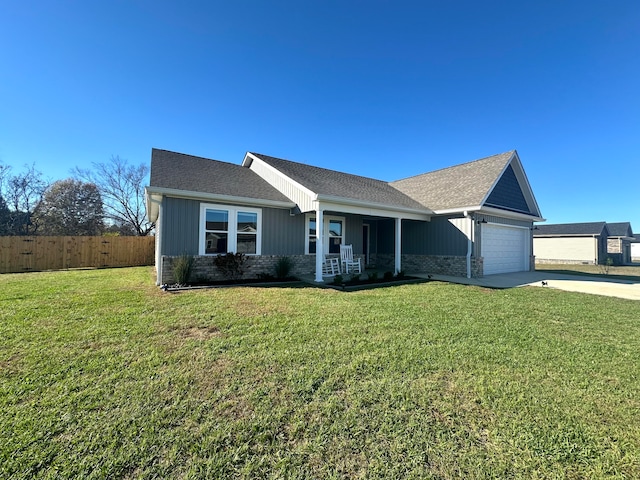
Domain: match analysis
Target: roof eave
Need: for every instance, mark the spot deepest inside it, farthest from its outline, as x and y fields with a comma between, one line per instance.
x=374, y=205
x=233, y=199
x=553, y=235
x=491, y=211
x=530, y=217
x=153, y=204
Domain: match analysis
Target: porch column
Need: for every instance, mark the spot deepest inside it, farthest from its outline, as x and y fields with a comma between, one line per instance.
x=319, y=244
x=398, y=253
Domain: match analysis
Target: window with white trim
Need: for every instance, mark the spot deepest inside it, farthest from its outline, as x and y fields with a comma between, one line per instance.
x=224, y=228
x=333, y=230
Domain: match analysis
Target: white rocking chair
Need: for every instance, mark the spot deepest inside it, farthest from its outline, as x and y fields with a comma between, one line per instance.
x=331, y=266
x=348, y=263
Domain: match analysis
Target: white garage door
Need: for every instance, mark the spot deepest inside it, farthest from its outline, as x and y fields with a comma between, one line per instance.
x=505, y=249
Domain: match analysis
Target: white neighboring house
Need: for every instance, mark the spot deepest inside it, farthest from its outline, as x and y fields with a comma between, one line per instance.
x=587, y=243
x=584, y=243
x=635, y=249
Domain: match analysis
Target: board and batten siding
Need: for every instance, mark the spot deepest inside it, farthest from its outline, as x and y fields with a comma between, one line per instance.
x=575, y=249
x=180, y=226
x=282, y=234
x=353, y=232
x=437, y=237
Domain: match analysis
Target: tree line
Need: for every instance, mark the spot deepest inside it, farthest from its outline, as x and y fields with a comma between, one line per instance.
x=107, y=199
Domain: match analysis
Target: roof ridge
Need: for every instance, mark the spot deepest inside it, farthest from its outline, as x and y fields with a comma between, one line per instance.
x=192, y=156
x=455, y=166
x=307, y=165
x=572, y=223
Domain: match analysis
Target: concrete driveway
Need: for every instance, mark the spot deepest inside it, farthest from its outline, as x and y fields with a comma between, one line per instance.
x=610, y=287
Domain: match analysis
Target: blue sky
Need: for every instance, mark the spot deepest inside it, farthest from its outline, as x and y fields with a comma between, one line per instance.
x=386, y=89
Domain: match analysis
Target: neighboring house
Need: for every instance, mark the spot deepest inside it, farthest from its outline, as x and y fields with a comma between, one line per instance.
x=469, y=220
x=571, y=243
x=635, y=248
x=619, y=242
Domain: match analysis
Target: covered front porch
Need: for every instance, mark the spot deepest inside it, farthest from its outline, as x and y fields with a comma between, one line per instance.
x=332, y=224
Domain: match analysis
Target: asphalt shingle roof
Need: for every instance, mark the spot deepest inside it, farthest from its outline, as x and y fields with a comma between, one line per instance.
x=344, y=185
x=622, y=229
x=460, y=186
x=196, y=174
x=559, y=229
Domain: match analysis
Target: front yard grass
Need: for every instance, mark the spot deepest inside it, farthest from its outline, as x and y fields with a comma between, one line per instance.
x=626, y=272
x=102, y=375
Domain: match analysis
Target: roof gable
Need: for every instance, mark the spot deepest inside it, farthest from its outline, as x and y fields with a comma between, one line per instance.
x=497, y=181
x=346, y=186
x=621, y=229
x=453, y=187
x=572, y=229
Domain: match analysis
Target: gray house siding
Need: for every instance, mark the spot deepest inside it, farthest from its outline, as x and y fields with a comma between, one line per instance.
x=180, y=226
x=353, y=232
x=385, y=235
x=282, y=234
x=508, y=194
x=437, y=237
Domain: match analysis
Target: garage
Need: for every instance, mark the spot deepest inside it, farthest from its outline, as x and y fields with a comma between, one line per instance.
x=505, y=248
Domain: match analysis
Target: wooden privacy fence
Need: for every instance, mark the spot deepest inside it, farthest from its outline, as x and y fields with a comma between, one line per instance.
x=28, y=254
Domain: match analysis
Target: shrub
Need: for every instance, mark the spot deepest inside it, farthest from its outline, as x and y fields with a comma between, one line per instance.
x=388, y=276
x=373, y=276
x=338, y=280
x=182, y=267
x=283, y=267
x=604, y=269
x=400, y=275
x=231, y=265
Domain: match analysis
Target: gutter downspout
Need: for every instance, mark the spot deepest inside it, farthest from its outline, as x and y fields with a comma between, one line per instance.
x=469, y=242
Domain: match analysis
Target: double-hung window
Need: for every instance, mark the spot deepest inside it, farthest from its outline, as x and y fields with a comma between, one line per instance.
x=224, y=228
x=333, y=234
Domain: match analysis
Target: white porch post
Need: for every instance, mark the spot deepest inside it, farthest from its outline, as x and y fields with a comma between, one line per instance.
x=398, y=254
x=319, y=243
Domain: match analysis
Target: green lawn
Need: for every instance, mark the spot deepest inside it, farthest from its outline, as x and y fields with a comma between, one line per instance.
x=102, y=375
x=628, y=272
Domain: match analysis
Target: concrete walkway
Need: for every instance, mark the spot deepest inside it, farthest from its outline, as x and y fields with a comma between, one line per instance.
x=610, y=287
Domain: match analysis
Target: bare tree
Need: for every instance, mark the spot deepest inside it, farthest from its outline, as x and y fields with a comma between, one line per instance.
x=22, y=193
x=4, y=174
x=70, y=207
x=4, y=217
x=122, y=188
x=4, y=209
